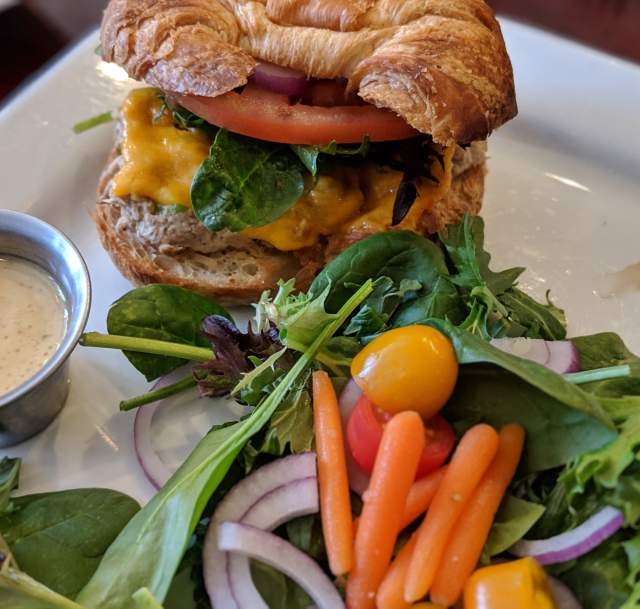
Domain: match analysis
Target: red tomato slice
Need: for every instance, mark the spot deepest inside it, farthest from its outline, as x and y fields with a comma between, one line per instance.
x=269, y=116
x=364, y=432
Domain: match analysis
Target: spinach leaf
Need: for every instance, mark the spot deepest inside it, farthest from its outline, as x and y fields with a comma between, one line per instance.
x=148, y=551
x=513, y=520
x=9, y=472
x=245, y=183
x=309, y=154
x=562, y=421
x=306, y=534
x=162, y=312
x=398, y=255
x=59, y=538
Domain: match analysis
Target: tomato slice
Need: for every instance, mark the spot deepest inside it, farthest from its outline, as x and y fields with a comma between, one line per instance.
x=266, y=115
x=364, y=432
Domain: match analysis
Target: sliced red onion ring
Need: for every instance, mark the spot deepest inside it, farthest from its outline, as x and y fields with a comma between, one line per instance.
x=562, y=595
x=561, y=356
x=299, y=498
x=280, y=80
x=280, y=554
x=572, y=544
x=358, y=478
x=235, y=506
x=154, y=469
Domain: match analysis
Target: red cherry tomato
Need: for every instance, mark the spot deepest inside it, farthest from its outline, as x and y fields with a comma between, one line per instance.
x=364, y=432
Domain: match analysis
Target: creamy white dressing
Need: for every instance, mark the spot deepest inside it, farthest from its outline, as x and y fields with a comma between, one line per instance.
x=33, y=320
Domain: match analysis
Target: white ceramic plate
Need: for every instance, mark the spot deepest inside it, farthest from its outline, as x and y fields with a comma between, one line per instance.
x=563, y=199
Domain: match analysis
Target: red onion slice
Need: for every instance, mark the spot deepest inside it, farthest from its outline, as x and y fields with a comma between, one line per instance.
x=280, y=554
x=235, y=506
x=280, y=80
x=562, y=595
x=561, y=356
x=153, y=467
x=299, y=498
x=358, y=478
x=564, y=357
x=572, y=544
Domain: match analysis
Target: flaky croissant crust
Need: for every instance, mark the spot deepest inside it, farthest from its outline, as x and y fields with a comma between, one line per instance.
x=440, y=64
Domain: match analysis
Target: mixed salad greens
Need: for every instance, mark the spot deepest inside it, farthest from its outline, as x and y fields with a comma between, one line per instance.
x=96, y=549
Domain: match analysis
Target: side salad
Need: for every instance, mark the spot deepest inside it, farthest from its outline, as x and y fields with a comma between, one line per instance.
x=419, y=433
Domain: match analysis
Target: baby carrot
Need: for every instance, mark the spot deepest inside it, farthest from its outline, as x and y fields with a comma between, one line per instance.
x=420, y=496
x=470, y=460
x=472, y=528
x=391, y=591
x=393, y=473
x=333, y=482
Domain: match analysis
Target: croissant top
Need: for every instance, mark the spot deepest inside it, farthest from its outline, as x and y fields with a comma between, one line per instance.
x=440, y=64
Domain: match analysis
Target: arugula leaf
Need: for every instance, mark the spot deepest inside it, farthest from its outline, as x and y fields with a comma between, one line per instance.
x=309, y=154
x=245, y=183
x=148, y=551
x=376, y=311
x=398, y=255
x=161, y=312
x=495, y=306
x=513, y=520
x=59, y=538
x=464, y=243
x=562, y=421
x=9, y=473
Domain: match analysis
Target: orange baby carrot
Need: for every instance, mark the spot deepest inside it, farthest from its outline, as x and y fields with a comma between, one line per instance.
x=472, y=529
x=333, y=482
x=393, y=473
x=391, y=591
x=420, y=496
x=470, y=460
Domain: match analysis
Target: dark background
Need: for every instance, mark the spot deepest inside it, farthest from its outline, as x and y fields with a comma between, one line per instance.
x=34, y=31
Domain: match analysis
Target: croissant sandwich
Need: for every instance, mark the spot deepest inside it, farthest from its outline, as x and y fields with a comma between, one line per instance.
x=272, y=134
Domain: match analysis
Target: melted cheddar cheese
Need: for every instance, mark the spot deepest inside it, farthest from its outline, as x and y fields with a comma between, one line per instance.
x=161, y=160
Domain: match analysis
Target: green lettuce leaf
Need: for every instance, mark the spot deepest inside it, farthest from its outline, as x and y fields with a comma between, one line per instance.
x=513, y=520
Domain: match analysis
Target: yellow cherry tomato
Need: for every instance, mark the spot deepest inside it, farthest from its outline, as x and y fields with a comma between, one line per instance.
x=410, y=368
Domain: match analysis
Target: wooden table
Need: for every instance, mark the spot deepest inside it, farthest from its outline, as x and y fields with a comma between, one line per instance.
x=35, y=30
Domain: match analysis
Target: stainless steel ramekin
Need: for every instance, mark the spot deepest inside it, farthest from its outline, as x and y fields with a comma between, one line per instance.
x=31, y=406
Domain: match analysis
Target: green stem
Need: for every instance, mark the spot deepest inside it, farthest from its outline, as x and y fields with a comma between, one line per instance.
x=146, y=345
x=158, y=394
x=598, y=374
